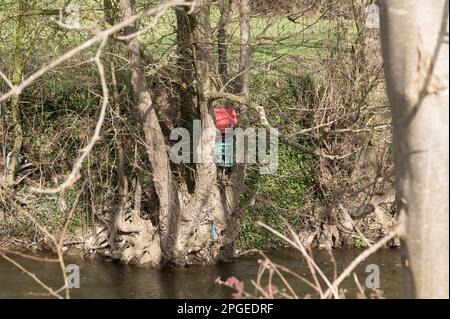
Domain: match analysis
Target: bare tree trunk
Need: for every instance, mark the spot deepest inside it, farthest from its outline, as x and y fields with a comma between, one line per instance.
x=244, y=58
x=210, y=222
x=239, y=171
x=186, y=90
x=222, y=41
x=204, y=209
x=197, y=226
x=123, y=197
x=415, y=50
x=145, y=246
x=15, y=105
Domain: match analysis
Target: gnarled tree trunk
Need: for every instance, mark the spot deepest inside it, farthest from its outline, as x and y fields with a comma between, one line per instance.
x=188, y=217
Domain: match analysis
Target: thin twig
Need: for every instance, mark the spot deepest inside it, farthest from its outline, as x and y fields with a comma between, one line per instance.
x=300, y=247
x=362, y=257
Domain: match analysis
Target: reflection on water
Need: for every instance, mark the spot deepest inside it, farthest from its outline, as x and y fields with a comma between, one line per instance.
x=101, y=279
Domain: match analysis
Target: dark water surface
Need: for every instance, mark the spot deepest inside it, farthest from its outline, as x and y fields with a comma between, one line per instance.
x=100, y=279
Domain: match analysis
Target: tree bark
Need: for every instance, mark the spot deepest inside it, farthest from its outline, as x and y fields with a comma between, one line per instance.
x=244, y=58
x=145, y=247
x=15, y=104
x=205, y=208
x=222, y=40
x=186, y=89
x=415, y=50
x=197, y=226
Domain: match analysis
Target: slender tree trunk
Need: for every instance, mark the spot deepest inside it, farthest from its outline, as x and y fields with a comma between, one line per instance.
x=222, y=40
x=186, y=90
x=239, y=171
x=15, y=105
x=415, y=50
x=244, y=58
x=123, y=199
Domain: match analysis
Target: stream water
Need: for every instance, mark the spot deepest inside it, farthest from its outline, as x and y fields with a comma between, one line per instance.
x=100, y=279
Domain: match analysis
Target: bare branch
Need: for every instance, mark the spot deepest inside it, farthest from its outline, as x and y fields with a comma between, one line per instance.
x=298, y=245
x=100, y=36
x=259, y=109
x=347, y=271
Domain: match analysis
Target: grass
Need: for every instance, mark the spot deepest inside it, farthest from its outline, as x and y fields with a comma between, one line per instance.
x=271, y=38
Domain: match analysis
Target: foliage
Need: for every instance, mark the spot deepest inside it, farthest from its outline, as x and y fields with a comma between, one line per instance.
x=280, y=195
x=360, y=243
